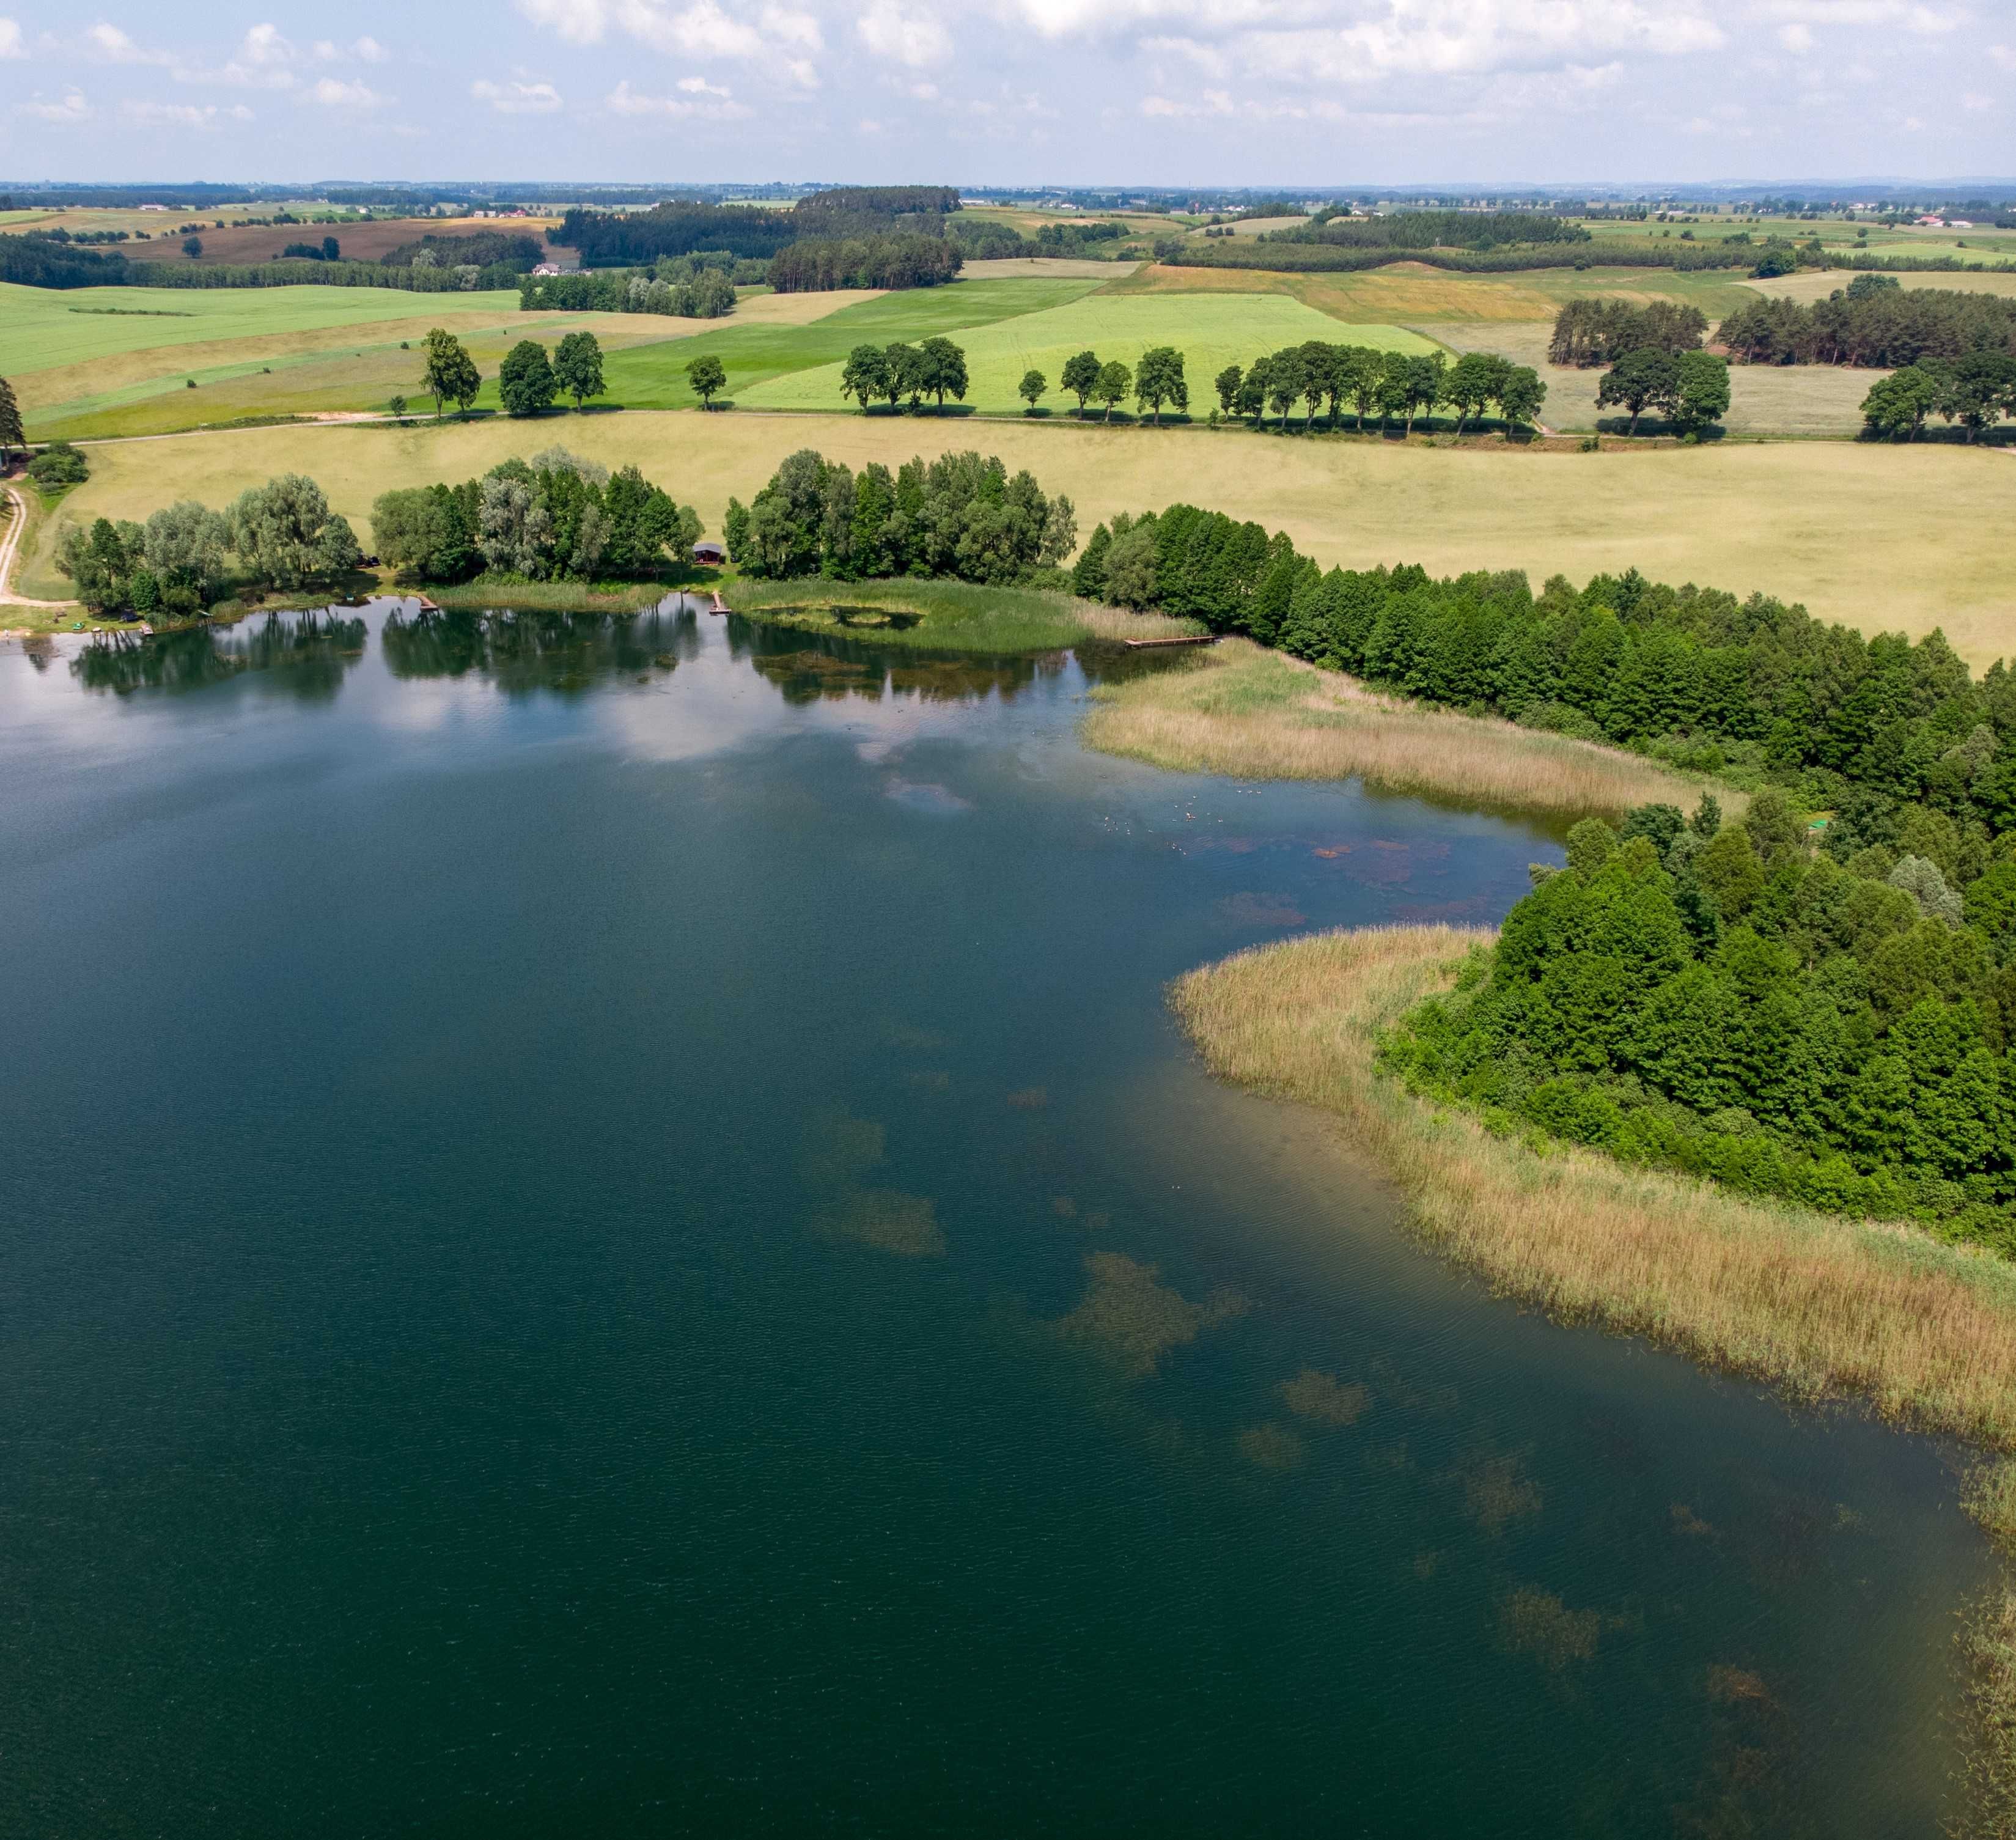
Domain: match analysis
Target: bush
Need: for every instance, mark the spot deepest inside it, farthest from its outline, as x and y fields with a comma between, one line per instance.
x=57, y=465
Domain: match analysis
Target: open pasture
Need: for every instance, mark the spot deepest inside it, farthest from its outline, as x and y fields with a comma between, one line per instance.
x=1817, y=284
x=354, y=364
x=654, y=376
x=1883, y=539
x=1212, y=331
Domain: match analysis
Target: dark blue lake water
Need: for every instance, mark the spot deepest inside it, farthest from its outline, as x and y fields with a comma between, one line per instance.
x=603, y=1231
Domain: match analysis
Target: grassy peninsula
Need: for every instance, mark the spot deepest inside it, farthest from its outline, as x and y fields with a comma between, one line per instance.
x=941, y=616
x=1259, y=715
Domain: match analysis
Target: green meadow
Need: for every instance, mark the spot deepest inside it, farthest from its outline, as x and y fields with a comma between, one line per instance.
x=47, y=327
x=654, y=376
x=1211, y=330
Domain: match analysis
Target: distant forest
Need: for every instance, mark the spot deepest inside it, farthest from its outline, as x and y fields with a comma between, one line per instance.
x=1873, y=322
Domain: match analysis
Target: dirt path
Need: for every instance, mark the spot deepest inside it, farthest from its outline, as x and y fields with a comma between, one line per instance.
x=9, y=547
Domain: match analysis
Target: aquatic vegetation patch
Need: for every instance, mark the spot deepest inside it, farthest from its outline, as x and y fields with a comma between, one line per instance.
x=1129, y=1316
x=1537, y=1623
x=887, y=1219
x=1497, y=1492
x=1324, y=1398
x=1272, y=1446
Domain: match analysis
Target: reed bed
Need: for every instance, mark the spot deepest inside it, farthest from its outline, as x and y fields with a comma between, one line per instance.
x=1821, y=1306
x=1255, y=714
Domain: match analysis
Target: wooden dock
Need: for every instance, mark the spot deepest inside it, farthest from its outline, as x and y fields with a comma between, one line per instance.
x=428, y=606
x=720, y=606
x=1142, y=645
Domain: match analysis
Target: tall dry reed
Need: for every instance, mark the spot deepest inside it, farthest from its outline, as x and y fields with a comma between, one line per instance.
x=1257, y=714
x=1925, y=1331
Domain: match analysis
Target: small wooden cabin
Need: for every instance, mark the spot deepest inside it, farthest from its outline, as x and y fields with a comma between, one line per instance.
x=711, y=554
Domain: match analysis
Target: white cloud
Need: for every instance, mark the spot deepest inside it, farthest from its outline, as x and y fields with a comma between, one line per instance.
x=1909, y=15
x=1796, y=37
x=112, y=46
x=1331, y=42
x=624, y=100
x=369, y=50
x=181, y=115
x=777, y=34
x=10, y=39
x=72, y=108
x=912, y=35
x=2004, y=55
x=699, y=86
x=517, y=98
x=332, y=93
x=365, y=50
x=264, y=60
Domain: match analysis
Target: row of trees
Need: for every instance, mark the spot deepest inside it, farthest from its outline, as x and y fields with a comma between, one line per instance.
x=935, y=367
x=556, y=516
x=1976, y=391
x=282, y=535
x=1872, y=320
x=819, y=264
x=1589, y=333
x=961, y=515
x=1477, y=230
x=1389, y=385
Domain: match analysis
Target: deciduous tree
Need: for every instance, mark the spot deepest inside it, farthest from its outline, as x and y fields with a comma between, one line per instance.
x=451, y=374
x=578, y=366
x=525, y=379
x=707, y=377
x=1080, y=377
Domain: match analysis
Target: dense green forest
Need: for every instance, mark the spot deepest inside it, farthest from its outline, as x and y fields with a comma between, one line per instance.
x=1593, y=332
x=1872, y=320
x=961, y=515
x=1831, y=1026
x=816, y=264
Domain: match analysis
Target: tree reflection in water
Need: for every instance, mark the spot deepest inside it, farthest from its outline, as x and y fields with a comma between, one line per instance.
x=524, y=652
x=305, y=655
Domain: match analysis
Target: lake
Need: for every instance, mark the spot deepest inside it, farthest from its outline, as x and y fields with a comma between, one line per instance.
x=604, y=1231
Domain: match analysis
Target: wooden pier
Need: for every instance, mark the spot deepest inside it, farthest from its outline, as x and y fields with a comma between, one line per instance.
x=720, y=606
x=428, y=606
x=1142, y=645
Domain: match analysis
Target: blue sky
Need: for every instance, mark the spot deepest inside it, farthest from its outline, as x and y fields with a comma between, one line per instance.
x=1013, y=92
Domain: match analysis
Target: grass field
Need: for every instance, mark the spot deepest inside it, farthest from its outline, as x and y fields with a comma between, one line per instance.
x=1880, y=538
x=362, y=239
x=109, y=361
x=1210, y=330
x=1817, y=284
x=648, y=378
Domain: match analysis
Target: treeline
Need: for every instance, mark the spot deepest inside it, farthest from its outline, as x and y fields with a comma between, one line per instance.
x=1476, y=230
x=818, y=264
x=845, y=213
x=1595, y=332
x=465, y=278
x=697, y=287
x=554, y=517
x=487, y=249
x=961, y=515
x=1833, y=1028
x=1299, y=257
x=281, y=535
x=988, y=239
x=1873, y=321
x=935, y=367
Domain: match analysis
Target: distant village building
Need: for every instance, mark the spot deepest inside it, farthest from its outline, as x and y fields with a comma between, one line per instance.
x=711, y=554
x=547, y=268
x=1931, y=223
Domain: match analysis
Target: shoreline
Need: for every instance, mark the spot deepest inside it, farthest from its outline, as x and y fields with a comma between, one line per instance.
x=1826, y=1310
x=1254, y=714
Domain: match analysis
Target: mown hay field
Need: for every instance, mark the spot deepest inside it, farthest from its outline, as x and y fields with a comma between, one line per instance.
x=1807, y=400
x=363, y=239
x=1885, y=538
x=1212, y=331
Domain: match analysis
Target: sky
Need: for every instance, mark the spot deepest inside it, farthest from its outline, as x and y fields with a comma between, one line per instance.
x=1012, y=93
